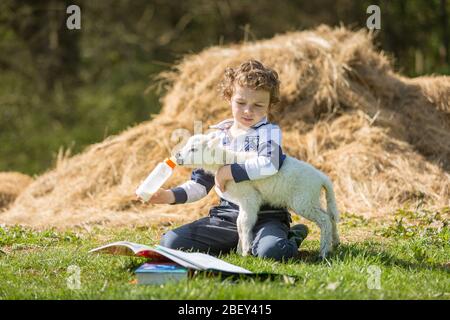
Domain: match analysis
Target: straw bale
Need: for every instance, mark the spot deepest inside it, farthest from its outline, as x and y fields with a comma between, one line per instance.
x=11, y=185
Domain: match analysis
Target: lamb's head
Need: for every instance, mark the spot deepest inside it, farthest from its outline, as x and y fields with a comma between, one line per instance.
x=201, y=151
x=206, y=151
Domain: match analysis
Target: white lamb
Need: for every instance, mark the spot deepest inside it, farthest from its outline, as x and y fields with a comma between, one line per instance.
x=296, y=186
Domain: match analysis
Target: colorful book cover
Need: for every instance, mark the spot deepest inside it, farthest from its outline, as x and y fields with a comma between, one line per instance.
x=161, y=268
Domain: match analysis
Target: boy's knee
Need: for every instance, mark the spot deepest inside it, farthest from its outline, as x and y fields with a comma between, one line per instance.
x=172, y=240
x=277, y=249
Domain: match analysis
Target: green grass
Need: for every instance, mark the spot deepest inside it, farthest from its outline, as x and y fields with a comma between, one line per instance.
x=411, y=253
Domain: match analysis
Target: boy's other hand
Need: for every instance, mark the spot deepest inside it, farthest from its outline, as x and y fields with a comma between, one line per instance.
x=162, y=196
x=222, y=176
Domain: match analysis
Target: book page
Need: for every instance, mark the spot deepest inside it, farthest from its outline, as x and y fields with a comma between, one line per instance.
x=187, y=263
x=191, y=260
x=203, y=261
x=127, y=248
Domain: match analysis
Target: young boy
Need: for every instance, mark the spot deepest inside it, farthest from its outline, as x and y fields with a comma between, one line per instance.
x=251, y=90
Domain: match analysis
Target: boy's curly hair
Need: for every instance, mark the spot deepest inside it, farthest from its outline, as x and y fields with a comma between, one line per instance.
x=251, y=74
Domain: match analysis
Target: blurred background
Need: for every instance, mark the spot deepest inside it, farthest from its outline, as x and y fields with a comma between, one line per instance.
x=64, y=89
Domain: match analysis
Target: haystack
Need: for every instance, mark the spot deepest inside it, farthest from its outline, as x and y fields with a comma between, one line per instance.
x=11, y=185
x=381, y=137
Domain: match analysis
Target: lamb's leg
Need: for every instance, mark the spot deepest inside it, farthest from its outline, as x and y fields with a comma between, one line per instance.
x=239, y=245
x=249, y=201
x=332, y=210
x=335, y=234
x=248, y=214
x=323, y=221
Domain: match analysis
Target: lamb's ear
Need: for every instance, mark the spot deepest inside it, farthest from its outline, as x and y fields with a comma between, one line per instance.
x=214, y=142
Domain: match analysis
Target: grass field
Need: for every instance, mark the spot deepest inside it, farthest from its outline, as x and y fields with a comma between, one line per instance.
x=410, y=253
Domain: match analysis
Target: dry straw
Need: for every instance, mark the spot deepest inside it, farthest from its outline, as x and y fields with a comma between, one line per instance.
x=382, y=138
x=11, y=185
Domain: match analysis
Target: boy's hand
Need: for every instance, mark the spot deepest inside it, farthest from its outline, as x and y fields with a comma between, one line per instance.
x=162, y=196
x=222, y=176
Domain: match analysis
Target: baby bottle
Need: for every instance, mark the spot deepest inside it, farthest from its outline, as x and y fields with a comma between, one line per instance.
x=156, y=179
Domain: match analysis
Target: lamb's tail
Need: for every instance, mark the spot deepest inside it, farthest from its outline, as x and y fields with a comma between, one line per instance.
x=331, y=200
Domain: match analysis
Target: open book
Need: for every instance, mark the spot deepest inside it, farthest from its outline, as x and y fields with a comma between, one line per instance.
x=189, y=260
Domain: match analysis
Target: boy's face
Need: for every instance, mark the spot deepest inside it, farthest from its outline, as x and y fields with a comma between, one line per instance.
x=249, y=106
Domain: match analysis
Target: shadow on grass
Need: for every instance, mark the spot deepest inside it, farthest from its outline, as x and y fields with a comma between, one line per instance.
x=345, y=252
x=353, y=251
x=133, y=264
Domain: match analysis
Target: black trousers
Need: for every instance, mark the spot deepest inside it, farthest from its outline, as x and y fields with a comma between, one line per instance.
x=217, y=233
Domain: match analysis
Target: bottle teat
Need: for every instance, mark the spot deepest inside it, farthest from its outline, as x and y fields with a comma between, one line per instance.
x=171, y=162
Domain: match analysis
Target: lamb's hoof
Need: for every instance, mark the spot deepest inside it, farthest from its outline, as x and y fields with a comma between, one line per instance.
x=322, y=256
x=336, y=245
x=245, y=251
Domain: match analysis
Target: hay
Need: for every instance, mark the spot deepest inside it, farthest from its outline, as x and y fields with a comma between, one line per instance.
x=11, y=185
x=382, y=138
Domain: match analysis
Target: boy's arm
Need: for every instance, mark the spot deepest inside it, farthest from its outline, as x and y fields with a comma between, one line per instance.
x=268, y=161
x=195, y=189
